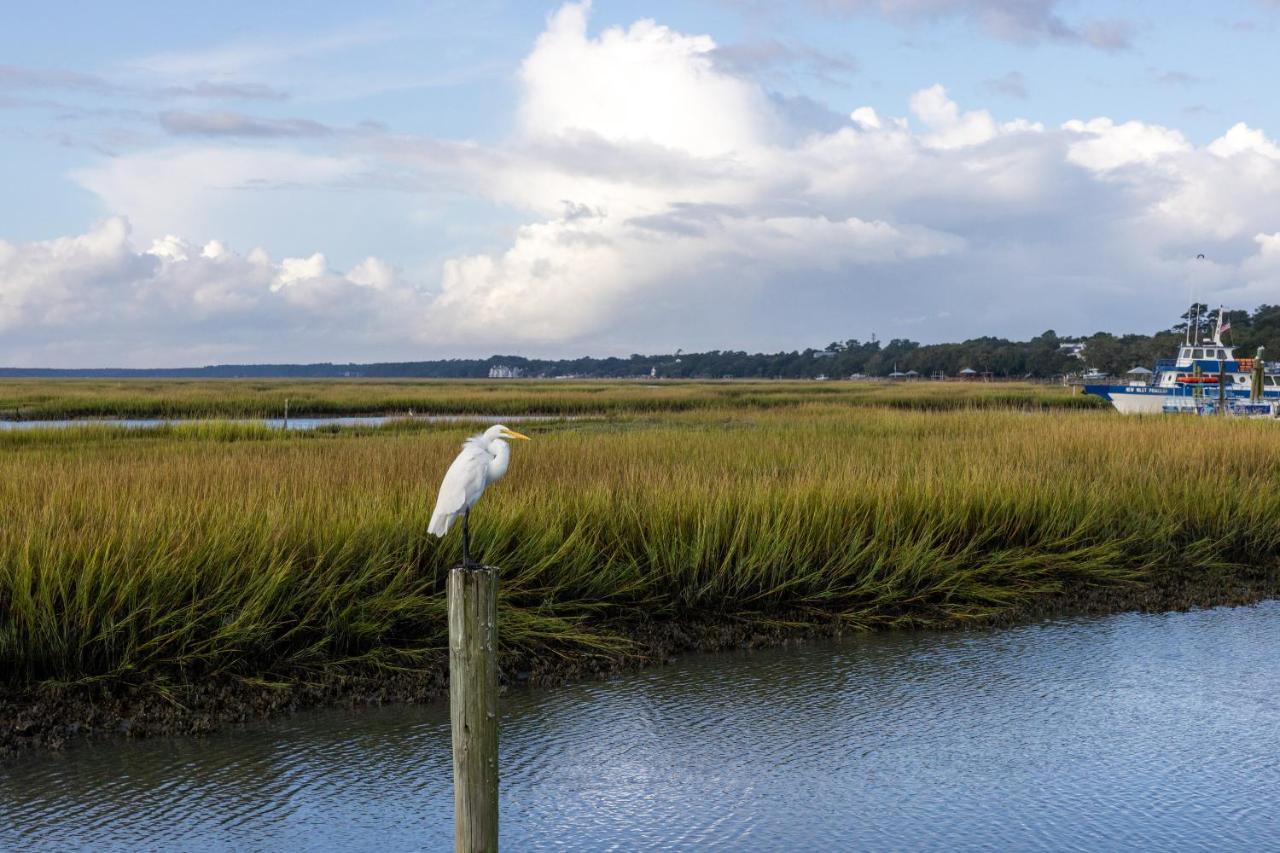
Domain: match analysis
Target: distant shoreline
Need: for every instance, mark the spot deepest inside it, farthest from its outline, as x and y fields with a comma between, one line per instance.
x=1041, y=358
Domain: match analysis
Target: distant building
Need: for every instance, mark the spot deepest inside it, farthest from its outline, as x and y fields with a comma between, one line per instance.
x=824, y=353
x=968, y=373
x=1074, y=350
x=505, y=371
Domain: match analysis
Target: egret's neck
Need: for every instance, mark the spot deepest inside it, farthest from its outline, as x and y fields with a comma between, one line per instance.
x=501, y=458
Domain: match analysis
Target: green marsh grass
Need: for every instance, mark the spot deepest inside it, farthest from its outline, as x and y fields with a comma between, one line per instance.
x=234, y=550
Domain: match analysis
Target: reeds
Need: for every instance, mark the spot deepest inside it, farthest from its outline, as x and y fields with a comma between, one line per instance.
x=230, y=550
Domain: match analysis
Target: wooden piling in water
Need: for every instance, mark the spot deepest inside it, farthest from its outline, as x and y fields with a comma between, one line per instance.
x=473, y=706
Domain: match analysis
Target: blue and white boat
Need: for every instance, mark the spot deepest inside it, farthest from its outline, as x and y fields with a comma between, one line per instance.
x=1193, y=383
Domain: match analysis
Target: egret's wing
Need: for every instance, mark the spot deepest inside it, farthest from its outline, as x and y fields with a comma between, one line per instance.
x=462, y=486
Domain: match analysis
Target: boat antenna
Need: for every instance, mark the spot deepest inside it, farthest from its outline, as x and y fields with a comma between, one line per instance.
x=1195, y=311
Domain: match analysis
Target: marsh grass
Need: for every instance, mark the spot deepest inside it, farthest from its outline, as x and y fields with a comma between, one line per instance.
x=233, y=550
x=137, y=398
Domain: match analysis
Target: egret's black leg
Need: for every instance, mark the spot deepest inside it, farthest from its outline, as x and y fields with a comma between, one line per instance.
x=466, y=536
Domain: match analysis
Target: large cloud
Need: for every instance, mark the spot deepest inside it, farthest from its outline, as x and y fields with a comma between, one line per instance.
x=97, y=299
x=669, y=200
x=673, y=188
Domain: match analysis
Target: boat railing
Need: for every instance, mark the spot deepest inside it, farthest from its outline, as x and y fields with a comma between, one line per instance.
x=1163, y=364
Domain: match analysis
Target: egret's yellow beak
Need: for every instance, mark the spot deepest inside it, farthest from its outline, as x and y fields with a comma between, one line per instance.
x=510, y=433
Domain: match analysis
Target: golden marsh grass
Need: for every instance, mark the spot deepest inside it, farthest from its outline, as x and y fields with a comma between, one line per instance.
x=33, y=399
x=217, y=549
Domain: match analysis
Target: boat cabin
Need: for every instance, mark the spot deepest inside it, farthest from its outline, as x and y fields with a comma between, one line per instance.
x=1188, y=355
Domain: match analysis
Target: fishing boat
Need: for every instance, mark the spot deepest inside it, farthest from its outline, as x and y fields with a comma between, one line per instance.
x=1205, y=378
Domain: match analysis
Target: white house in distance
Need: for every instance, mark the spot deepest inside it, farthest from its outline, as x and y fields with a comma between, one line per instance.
x=1075, y=350
x=505, y=371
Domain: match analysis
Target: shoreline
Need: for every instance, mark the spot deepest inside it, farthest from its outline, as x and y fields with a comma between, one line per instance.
x=52, y=718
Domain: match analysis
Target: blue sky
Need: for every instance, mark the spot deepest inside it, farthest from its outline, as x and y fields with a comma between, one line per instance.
x=245, y=182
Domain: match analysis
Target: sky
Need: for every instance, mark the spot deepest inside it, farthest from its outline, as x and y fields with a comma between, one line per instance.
x=188, y=184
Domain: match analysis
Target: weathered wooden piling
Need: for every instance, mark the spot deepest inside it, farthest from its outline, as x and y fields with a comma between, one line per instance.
x=473, y=706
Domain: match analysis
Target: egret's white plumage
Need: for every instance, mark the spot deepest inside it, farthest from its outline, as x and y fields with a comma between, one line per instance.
x=483, y=460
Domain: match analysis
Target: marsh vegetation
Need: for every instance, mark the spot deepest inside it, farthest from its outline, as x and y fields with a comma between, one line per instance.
x=234, y=553
x=32, y=399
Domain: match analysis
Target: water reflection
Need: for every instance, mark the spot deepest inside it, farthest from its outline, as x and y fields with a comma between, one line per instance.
x=1151, y=731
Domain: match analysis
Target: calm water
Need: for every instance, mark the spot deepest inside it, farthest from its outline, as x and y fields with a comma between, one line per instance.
x=278, y=423
x=1126, y=732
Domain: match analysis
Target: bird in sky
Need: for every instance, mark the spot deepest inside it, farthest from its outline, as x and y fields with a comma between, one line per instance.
x=483, y=460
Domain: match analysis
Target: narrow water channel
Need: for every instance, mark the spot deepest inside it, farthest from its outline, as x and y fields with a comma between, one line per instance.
x=1125, y=732
x=295, y=423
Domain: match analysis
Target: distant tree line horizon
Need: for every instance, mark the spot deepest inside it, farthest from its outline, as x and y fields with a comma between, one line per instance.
x=1041, y=357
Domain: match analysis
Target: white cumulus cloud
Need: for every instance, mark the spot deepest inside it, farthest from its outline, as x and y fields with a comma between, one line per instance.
x=97, y=299
x=995, y=225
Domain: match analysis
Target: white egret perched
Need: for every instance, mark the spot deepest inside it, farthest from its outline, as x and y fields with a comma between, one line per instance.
x=483, y=460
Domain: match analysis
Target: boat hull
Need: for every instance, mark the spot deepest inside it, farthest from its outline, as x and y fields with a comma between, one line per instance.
x=1128, y=403
x=1154, y=400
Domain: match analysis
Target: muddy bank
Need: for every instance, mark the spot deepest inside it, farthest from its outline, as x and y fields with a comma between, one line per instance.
x=53, y=717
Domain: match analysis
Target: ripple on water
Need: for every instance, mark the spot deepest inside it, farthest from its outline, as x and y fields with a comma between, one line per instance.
x=1153, y=731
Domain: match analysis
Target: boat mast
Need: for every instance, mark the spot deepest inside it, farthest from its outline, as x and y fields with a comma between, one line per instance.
x=1193, y=339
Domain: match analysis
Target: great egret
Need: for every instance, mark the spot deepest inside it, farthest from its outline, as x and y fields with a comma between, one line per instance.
x=483, y=460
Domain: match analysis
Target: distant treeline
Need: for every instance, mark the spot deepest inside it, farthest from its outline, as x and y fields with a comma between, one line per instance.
x=1042, y=357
